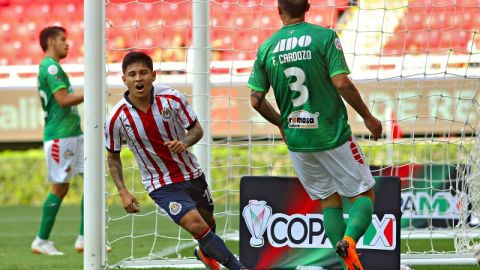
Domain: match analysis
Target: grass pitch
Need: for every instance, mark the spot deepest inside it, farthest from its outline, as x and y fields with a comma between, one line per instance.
x=19, y=225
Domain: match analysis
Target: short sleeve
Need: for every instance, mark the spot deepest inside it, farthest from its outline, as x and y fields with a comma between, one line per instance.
x=54, y=78
x=185, y=112
x=258, y=79
x=113, y=132
x=334, y=56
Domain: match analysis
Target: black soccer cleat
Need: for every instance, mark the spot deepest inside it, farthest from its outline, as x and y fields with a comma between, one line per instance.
x=342, y=248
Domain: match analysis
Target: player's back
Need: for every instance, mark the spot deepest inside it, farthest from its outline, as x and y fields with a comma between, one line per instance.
x=60, y=122
x=300, y=60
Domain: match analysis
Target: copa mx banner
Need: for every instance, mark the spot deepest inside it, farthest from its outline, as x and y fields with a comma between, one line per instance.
x=284, y=229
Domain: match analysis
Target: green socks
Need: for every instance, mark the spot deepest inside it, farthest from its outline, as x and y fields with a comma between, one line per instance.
x=360, y=217
x=334, y=224
x=81, y=218
x=50, y=210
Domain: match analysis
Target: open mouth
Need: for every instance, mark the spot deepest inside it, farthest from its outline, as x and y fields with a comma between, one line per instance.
x=139, y=86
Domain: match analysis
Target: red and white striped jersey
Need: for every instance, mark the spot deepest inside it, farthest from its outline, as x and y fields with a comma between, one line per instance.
x=167, y=119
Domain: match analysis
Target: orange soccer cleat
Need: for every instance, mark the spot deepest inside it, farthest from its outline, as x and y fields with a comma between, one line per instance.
x=346, y=249
x=210, y=263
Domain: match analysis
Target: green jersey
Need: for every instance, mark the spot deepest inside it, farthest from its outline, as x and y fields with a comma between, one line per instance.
x=60, y=122
x=298, y=62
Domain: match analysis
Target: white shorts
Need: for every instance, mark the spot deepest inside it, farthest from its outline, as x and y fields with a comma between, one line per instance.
x=64, y=158
x=342, y=170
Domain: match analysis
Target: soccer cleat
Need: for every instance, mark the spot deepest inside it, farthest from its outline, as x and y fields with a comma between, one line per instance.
x=346, y=249
x=46, y=247
x=210, y=263
x=79, y=245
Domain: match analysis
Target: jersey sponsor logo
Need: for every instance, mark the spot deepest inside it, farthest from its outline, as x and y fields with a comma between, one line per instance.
x=308, y=231
x=52, y=69
x=291, y=43
x=303, y=119
x=174, y=208
x=337, y=43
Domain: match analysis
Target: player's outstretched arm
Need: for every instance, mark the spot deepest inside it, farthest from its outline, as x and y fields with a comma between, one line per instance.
x=194, y=134
x=350, y=93
x=64, y=99
x=130, y=203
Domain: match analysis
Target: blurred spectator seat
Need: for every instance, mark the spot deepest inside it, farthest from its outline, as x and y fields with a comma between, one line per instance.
x=435, y=26
x=238, y=26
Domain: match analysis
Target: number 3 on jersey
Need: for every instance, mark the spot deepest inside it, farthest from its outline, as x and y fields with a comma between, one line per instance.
x=43, y=97
x=297, y=85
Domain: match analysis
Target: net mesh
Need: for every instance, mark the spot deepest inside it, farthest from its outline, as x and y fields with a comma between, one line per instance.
x=416, y=64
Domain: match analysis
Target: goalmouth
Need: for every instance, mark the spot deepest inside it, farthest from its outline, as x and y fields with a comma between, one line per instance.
x=426, y=97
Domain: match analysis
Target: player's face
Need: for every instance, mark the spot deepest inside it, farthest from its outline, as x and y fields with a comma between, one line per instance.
x=60, y=45
x=139, y=80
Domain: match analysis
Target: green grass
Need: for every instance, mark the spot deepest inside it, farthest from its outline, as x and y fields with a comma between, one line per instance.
x=19, y=224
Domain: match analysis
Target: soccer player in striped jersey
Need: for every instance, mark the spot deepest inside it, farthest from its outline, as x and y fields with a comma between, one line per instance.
x=159, y=125
x=305, y=66
x=63, y=137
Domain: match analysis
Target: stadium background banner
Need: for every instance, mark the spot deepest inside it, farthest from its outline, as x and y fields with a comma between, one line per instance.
x=282, y=228
x=426, y=198
x=21, y=116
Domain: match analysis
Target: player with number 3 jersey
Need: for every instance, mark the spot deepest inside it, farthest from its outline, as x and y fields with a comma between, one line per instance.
x=305, y=66
x=298, y=62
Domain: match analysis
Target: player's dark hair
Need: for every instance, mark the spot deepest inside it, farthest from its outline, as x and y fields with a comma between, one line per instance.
x=294, y=8
x=49, y=32
x=136, y=57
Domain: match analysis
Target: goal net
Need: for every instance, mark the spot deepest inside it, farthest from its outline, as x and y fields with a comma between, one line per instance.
x=416, y=64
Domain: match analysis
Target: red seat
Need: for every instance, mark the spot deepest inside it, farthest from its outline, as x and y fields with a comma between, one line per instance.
x=170, y=13
x=68, y=10
x=148, y=37
x=9, y=53
x=246, y=40
x=11, y=13
x=222, y=38
x=270, y=18
x=32, y=54
x=469, y=3
x=149, y=14
x=120, y=37
x=117, y=14
x=416, y=20
x=455, y=40
x=244, y=18
x=115, y=56
x=395, y=44
x=223, y=14
x=324, y=16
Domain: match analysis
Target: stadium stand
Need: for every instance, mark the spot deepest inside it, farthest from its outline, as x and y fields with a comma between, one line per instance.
x=435, y=26
x=151, y=27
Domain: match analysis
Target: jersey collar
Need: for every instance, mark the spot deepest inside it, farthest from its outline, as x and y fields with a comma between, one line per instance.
x=125, y=96
x=294, y=24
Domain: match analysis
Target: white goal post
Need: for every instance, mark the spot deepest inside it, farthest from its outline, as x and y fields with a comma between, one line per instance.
x=94, y=119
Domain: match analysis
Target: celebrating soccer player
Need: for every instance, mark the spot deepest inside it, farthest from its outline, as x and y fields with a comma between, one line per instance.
x=305, y=66
x=159, y=125
x=63, y=137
